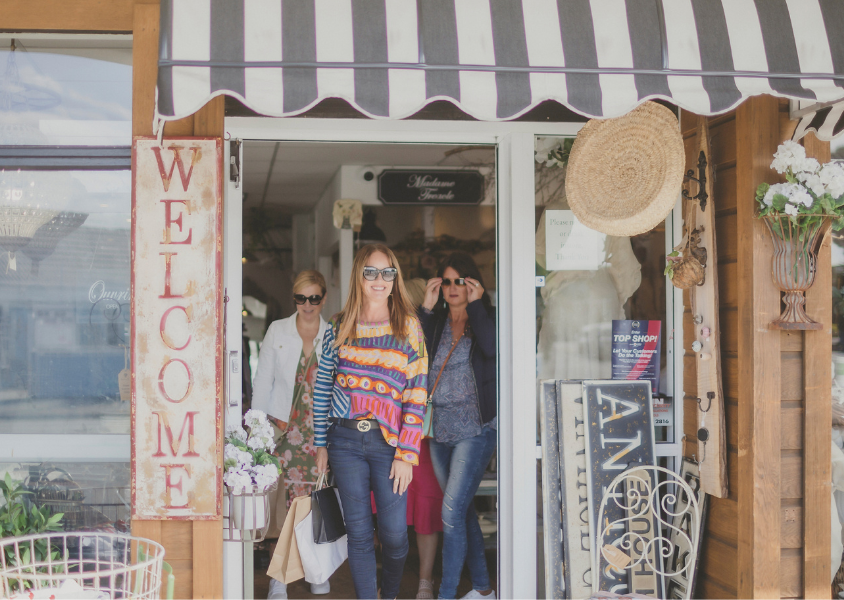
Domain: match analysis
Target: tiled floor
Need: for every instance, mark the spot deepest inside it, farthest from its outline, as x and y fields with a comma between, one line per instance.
x=341, y=581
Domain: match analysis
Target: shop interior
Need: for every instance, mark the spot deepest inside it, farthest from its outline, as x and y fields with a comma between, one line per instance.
x=289, y=195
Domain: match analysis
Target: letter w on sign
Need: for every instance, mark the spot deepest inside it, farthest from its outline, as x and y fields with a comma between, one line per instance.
x=177, y=161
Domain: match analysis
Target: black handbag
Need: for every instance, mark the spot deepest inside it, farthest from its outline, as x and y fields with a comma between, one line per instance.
x=327, y=514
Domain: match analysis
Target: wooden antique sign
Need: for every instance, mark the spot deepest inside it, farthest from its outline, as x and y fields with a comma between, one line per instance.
x=426, y=187
x=176, y=328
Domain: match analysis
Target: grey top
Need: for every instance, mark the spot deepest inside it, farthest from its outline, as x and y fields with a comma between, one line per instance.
x=456, y=412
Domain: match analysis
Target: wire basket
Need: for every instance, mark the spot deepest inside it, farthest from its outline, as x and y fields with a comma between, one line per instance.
x=80, y=565
x=246, y=515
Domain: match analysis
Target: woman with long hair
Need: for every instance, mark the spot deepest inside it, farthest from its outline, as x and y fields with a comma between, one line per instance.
x=459, y=325
x=284, y=389
x=369, y=407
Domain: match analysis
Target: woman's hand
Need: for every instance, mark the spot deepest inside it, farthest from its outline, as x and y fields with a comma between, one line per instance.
x=322, y=459
x=401, y=473
x=432, y=292
x=474, y=289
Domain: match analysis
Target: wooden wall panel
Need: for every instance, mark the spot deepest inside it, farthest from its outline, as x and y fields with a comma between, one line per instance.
x=98, y=16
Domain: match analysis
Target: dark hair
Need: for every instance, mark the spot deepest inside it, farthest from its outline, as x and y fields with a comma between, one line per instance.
x=465, y=266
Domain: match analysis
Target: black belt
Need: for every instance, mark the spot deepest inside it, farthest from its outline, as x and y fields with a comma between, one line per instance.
x=362, y=425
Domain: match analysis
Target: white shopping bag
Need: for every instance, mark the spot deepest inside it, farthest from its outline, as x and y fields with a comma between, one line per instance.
x=318, y=560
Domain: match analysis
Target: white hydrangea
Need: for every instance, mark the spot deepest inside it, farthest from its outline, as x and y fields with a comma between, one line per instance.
x=813, y=182
x=264, y=475
x=261, y=438
x=832, y=178
x=238, y=433
x=790, y=209
x=777, y=188
x=255, y=418
x=788, y=155
x=238, y=480
x=241, y=457
x=799, y=195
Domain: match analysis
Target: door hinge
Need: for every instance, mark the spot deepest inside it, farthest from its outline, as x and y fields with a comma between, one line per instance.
x=234, y=162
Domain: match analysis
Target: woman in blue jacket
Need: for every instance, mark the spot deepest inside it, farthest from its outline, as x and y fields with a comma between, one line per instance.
x=459, y=325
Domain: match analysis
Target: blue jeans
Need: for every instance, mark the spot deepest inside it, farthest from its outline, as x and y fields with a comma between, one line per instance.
x=459, y=467
x=361, y=463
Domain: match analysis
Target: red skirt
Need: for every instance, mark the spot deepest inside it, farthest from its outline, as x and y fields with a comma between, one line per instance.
x=424, y=496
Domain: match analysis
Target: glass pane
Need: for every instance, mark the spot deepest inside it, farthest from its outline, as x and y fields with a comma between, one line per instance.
x=64, y=301
x=65, y=92
x=93, y=496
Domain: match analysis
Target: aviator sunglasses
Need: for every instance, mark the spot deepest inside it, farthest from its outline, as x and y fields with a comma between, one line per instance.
x=388, y=274
x=313, y=300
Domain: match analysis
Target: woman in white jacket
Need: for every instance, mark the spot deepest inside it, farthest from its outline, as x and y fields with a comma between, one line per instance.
x=283, y=388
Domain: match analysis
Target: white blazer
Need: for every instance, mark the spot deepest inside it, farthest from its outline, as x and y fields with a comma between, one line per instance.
x=275, y=378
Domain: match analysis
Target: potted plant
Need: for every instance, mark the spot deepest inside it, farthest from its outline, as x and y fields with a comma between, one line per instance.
x=798, y=213
x=250, y=470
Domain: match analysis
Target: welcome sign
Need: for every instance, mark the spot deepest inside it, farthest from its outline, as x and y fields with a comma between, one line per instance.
x=176, y=328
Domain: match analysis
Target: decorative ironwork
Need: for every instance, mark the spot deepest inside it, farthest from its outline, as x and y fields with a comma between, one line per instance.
x=246, y=515
x=701, y=195
x=661, y=518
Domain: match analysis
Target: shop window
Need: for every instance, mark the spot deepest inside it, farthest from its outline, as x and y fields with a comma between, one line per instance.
x=65, y=90
x=64, y=301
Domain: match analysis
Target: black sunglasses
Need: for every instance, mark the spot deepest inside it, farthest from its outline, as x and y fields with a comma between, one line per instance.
x=301, y=299
x=388, y=274
x=459, y=281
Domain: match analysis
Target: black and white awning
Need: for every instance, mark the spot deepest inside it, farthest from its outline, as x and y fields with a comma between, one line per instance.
x=826, y=120
x=497, y=59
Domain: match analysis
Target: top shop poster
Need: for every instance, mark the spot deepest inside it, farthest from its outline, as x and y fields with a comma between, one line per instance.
x=636, y=351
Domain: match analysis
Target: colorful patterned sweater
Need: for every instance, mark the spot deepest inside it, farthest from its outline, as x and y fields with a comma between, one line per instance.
x=376, y=377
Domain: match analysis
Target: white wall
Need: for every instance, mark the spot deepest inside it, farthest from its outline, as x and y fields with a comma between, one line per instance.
x=326, y=243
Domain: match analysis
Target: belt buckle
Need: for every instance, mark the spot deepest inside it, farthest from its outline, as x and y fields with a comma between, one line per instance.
x=364, y=426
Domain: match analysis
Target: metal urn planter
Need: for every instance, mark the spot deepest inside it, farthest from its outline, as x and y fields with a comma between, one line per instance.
x=794, y=264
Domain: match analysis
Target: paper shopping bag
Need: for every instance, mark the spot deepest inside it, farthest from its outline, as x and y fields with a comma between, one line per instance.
x=319, y=561
x=286, y=564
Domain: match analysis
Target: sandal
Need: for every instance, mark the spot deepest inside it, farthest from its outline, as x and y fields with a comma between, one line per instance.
x=426, y=590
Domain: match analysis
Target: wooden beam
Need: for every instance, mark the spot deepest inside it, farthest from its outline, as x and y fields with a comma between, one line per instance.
x=144, y=67
x=817, y=433
x=757, y=137
x=98, y=16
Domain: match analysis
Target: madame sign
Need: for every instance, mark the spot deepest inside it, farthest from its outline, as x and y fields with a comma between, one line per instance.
x=176, y=329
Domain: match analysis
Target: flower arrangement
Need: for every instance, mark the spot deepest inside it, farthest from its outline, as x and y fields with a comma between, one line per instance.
x=812, y=192
x=247, y=459
x=553, y=151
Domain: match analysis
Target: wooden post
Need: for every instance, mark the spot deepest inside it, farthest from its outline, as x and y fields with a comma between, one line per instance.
x=817, y=424
x=759, y=453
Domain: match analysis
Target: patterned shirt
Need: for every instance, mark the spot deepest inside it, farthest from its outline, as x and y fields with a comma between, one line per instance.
x=376, y=377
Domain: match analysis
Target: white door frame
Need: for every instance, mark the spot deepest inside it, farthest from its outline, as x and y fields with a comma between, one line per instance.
x=516, y=299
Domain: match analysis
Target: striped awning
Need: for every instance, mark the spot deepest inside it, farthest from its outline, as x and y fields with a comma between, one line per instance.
x=497, y=59
x=824, y=119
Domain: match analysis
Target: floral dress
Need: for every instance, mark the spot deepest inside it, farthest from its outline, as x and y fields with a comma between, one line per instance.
x=296, y=450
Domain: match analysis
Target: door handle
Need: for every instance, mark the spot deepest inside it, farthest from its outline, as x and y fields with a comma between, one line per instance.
x=234, y=370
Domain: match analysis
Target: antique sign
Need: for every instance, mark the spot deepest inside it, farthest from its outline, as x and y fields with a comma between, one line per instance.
x=681, y=582
x=712, y=434
x=573, y=484
x=423, y=187
x=618, y=433
x=551, y=505
x=176, y=328
x=636, y=350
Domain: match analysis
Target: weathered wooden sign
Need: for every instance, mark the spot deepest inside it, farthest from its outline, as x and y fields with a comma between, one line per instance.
x=618, y=433
x=551, y=498
x=573, y=484
x=176, y=328
x=425, y=187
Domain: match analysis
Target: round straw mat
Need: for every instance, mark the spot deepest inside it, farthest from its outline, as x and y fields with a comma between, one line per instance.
x=624, y=174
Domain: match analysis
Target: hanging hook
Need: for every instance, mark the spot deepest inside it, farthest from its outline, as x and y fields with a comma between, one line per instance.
x=701, y=195
x=710, y=396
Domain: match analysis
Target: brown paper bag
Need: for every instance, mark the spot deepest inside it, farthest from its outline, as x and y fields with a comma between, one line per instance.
x=286, y=565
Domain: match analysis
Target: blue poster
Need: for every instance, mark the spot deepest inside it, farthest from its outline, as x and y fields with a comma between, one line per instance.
x=636, y=351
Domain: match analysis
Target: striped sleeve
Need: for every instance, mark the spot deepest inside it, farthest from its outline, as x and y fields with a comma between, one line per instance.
x=414, y=397
x=324, y=388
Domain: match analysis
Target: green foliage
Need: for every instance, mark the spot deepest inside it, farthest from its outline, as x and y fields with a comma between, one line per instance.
x=669, y=265
x=20, y=517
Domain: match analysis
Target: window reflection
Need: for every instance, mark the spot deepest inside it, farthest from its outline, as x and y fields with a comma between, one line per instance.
x=65, y=91
x=64, y=301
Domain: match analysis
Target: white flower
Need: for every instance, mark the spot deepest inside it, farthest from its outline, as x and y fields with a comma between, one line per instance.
x=238, y=433
x=241, y=457
x=238, y=480
x=799, y=195
x=807, y=165
x=294, y=436
x=790, y=209
x=543, y=146
x=813, y=182
x=832, y=177
x=789, y=155
x=264, y=475
x=777, y=188
x=255, y=417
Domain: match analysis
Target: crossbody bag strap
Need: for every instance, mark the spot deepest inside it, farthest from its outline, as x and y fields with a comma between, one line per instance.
x=442, y=368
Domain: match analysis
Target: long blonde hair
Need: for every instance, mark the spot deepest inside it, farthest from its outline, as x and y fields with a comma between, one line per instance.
x=400, y=305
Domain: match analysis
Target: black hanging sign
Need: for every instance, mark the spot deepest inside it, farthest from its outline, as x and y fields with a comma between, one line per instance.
x=426, y=187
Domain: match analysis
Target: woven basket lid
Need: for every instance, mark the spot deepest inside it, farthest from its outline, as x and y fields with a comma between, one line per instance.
x=624, y=174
